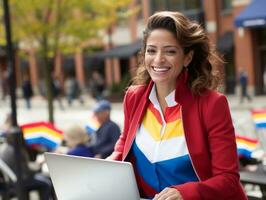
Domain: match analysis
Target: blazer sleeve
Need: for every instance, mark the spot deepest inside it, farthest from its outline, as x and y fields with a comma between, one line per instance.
x=224, y=183
x=119, y=146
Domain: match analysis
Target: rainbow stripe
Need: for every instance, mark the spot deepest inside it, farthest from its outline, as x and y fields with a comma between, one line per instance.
x=159, y=152
x=245, y=146
x=259, y=118
x=42, y=134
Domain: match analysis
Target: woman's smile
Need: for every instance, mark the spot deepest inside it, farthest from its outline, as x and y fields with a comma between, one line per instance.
x=161, y=69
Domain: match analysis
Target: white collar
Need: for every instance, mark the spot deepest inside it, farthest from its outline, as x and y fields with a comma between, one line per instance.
x=170, y=98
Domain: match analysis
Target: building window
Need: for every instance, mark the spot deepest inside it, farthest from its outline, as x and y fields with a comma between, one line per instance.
x=175, y=5
x=262, y=38
x=192, y=4
x=157, y=5
x=226, y=5
x=191, y=8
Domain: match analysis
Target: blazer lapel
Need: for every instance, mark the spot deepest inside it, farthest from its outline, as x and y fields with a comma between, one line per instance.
x=137, y=118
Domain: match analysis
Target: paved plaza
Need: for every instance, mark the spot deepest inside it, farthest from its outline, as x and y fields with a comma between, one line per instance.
x=80, y=113
x=77, y=113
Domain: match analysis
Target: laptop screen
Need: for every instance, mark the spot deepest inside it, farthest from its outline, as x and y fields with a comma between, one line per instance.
x=79, y=178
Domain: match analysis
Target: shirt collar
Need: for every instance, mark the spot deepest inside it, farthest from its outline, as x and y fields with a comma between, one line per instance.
x=170, y=98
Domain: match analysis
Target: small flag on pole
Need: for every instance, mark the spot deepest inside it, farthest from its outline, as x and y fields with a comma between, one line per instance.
x=259, y=118
x=92, y=125
x=245, y=146
x=42, y=134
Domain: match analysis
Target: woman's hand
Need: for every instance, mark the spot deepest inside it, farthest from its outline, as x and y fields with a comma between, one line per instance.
x=168, y=194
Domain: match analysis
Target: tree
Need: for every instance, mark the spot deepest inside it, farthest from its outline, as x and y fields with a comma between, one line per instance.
x=50, y=26
x=2, y=31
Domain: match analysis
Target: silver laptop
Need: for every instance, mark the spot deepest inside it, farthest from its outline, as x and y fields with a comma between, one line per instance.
x=79, y=178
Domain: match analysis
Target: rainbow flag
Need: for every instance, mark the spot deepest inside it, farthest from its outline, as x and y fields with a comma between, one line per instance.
x=259, y=118
x=92, y=125
x=245, y=146
x=42, y=134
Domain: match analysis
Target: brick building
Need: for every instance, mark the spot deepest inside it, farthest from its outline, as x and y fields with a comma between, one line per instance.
x=236, y=27
x=250, y=41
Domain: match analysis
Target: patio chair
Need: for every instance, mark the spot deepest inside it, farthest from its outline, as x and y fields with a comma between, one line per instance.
x=8, y=180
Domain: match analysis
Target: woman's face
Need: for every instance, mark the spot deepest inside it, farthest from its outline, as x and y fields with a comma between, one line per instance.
x=164, y=57
x=102, y=116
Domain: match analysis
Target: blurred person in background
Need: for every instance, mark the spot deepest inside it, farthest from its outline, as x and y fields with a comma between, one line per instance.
x=4, y=85
x=97, y=85
x=108, y=132
x=32, y=179
x=72, y=90
x=27, y=91
x=77, y=140
x=264, y=79
x=57, y=91
x=243, y=82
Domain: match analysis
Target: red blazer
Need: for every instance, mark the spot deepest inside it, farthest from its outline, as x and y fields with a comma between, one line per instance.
x=209, y=135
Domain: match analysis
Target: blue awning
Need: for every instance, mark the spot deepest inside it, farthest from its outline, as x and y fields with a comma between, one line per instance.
x=254, y=15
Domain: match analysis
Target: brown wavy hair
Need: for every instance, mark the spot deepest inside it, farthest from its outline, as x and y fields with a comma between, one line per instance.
x=203, y=68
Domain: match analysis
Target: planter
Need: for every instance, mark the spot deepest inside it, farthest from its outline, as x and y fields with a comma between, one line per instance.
x=115, y=97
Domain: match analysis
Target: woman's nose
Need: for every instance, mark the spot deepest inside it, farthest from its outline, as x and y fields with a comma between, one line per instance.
x=159, y=57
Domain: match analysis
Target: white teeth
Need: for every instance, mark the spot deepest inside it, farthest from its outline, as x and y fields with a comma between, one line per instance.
x=161, y=69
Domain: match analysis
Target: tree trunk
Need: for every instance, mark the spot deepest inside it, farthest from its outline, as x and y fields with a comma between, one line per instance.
x=48, y=79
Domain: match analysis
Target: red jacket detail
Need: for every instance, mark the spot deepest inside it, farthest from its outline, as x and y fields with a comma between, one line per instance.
x=209, y=135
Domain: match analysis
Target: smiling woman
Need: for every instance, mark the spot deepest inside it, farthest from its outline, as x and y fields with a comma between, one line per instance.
x=178, y=132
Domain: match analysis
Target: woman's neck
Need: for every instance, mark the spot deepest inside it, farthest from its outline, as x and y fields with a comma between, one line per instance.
x=162, y=92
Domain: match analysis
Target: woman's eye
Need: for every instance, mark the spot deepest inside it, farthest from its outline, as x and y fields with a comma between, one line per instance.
x=170, y=52
x=151, y=51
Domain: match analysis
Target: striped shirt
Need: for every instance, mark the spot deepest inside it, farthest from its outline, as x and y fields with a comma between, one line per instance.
x=159, y=152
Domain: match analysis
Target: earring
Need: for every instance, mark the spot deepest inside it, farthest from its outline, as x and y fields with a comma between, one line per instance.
x=185, y=72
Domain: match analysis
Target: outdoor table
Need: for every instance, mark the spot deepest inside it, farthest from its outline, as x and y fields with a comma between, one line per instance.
x=257, y=177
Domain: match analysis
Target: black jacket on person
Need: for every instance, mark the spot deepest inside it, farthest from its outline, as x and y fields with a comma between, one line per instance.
x=27, y=89
x=106, y=137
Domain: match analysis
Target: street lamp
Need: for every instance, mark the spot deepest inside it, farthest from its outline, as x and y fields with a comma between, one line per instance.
x=15, y=130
